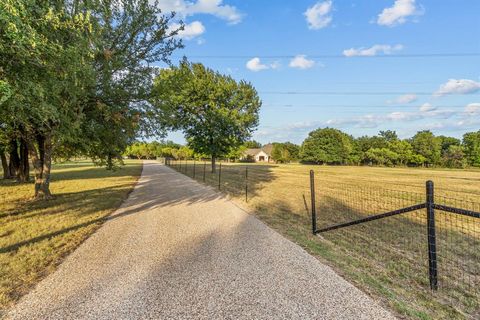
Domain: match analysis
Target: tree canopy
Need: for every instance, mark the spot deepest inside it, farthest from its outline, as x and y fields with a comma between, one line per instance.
x=75, y=77
x=215, y=112
x=331, y=146
x=328, y=145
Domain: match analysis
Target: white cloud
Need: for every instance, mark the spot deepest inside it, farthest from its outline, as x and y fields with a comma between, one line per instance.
x=473, y=109
x=214, y=7
x=405, y=99
x=190, y=31
x=319, y=16
x=255, y=65
x=375, y=120
x=398, y=13
x=275, y=65
x=427, y=107
x=301, y=62
x=458, y=86
x=372, y=51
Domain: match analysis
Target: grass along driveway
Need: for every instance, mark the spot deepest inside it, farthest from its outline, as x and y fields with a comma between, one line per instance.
x=387, y=258
x=36, y=236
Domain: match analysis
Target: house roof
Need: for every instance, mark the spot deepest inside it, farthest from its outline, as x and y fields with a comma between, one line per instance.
x=268, y=149
x=254, y=151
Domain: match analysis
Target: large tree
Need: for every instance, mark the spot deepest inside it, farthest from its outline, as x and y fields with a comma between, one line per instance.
x=215, y=112
x=426, y=144
x=471, y=143
x=285, y=152
x=75, y=77
x=45, y=68
x=326, y=146
x=131, y=35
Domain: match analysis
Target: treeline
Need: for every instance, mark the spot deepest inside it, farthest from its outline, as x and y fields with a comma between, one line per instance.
x=332, y=146
x=155, y=149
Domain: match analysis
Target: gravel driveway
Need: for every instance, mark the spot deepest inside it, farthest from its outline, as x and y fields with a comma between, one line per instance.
x=179, y=250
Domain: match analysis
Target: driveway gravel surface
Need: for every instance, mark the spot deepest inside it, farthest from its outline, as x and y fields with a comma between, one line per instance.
x=179, y=250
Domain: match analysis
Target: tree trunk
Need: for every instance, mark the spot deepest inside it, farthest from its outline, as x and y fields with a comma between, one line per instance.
x=213, y=163
x=42, y=163
x=6, y=169
x=14, y=165
x=24, y=168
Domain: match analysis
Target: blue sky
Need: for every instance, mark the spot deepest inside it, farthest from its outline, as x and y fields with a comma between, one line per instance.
x=339, y=63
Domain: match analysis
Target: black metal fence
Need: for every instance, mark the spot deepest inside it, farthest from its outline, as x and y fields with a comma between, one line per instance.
x=402, y=240
x=257, y=184
x=446, y=227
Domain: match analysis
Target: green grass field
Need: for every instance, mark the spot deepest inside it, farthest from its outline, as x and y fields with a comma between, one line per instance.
x=387, y=258
x=36, y=235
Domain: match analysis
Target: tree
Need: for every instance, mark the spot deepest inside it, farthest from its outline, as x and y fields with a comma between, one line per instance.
x=427, y=145
x=45, y=69
x=403, y=149
x=252, y=144
x=365, y=143
x=185, y=153
x=330, y=146
x=389, y=135
x=471, y=144
x=285, y=152
x=130, y=36
x=215, y=112
x=236, y=153
x=454, y=157
x=78, y=74
x=382, y=156
x=446, y=142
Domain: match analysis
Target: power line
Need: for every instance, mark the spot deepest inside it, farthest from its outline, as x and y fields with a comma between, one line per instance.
x=292, y=106
x=351, y=93
x=339, y=56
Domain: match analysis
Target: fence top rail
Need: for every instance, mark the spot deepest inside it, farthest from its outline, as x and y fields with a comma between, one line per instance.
x=463, y=212
x=374, y=217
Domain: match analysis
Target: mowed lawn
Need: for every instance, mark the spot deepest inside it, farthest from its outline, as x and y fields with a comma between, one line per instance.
x=36, y=235
x=386, y=258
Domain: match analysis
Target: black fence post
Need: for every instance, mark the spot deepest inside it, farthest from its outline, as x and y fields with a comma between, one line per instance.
x=432, y=241
x=193, y=168
x=312, y=196
x=219, y=176
x=204, y=169
x=246, y=183
x=186, y=165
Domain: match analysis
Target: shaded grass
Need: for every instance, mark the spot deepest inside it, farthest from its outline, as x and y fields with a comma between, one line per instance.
x=36, y=235
x=388, y=258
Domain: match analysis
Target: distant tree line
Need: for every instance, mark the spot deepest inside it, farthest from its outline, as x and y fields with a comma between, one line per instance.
x=334, y=147
x=155, y=149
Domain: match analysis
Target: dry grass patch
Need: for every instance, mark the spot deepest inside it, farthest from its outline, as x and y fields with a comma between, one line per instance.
x=36, y=236
x=386, y=258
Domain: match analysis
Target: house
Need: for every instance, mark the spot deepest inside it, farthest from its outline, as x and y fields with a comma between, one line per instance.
x=263, y=154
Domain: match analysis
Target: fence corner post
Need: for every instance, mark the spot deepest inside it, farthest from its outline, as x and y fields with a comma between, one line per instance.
x=219, y=176
x=204, y=169
x=432, y=240
x=246, y=183
x=312, y=197
x=193, y=168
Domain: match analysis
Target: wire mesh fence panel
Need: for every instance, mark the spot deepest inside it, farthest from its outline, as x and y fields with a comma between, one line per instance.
x=396, y=253
x=388, y=257
x=458, y=254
